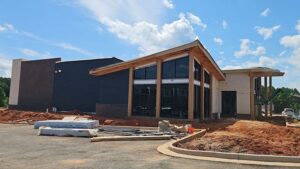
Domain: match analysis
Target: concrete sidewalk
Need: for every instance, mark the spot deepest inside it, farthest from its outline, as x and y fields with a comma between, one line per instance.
x=20, y=147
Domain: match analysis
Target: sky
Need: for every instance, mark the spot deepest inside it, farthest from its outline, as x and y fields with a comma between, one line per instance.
x=237, y=33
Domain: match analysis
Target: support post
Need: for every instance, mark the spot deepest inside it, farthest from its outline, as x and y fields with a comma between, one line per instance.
x=130, y=91
x=270, y=94
x=158, y=88
x=202, y=93
x=210, y=95
x=266, y=95
x=252, y=98
x=259, y=95
x=191, y=89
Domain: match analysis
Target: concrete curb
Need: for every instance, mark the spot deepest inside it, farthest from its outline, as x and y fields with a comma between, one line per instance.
x=171, y=150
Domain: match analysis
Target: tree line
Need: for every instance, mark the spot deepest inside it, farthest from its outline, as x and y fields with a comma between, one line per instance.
x=4, y=91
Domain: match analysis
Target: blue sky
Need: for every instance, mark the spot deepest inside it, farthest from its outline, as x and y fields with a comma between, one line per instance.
x=237, y=33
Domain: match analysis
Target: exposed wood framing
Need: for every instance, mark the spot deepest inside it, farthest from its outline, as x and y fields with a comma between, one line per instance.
x=130, y=91
x=270, y=93
x=158, y=88
x=266, y=95
x=191, y=88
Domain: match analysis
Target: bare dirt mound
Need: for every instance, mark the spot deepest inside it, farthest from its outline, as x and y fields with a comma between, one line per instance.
x=10, y=116
x=250, y=137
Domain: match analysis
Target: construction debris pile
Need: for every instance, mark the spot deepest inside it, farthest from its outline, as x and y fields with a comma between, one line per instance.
x=69, y=126
x=80, y=127
x=252, y=137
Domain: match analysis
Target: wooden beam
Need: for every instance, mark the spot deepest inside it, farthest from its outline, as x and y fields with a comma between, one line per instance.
x=252, y=98
x=158, y=88
x=202, y=93
x=130, y=91
x=266, y=95
x=191, y=88
x=210, y=95
x=270, y=93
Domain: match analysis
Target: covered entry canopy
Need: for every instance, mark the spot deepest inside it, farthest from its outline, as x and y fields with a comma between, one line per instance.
x=256, y=74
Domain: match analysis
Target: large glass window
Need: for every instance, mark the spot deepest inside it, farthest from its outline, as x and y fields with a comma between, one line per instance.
x=178, y=68
x=143, y=102
x=174, y=101
x=145, y=73
x=206, y=102
x=197, y=101
x=182, y=68
x=197, y=71
x=206, y=77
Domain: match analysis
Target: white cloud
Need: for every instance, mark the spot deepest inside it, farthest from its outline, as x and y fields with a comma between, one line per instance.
x=36, y=54
x=129, y=11
x=5, y=66
x=2, y=28
x=246, y=50
x=297, y=27
x=292, y=42
x=267, y=32
x=224, y=24
x=196, y=20
x=148, y=36
x=266, y=12
x=228, y=67
x=168, y=4
x=218, y=41
x=7, y=27
x=282, y=53
x=70, y=47
x=263, y=61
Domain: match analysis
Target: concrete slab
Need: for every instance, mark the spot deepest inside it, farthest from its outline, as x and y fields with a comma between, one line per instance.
x=67, y=132
x=82, y=124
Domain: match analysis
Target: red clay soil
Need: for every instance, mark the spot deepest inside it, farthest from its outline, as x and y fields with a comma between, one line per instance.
x=8, y=116
x=253, y=137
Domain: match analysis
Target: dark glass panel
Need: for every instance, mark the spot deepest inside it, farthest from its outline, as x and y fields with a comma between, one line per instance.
x=143, y=102
x=139, y=73
x=197, y=72
x=168, y=70
x=206, y=102
x=151, y=72
x=174, y=101
x=206, y=77
x=197, y=102
x=182, y=67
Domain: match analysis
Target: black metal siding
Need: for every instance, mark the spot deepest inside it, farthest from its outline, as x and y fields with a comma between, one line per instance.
x=113, y=94
x=74, y=87
x=36, y=84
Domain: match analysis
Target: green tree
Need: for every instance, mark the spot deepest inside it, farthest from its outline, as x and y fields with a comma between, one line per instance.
x=285, y=99
x=3, y=98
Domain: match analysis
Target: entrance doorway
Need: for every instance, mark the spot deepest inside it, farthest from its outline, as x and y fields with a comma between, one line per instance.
x=228, y=103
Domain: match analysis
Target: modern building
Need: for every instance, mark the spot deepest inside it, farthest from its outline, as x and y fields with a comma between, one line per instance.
x=183, y=83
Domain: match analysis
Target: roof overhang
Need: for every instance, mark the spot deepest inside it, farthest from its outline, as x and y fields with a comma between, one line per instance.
x=256, y=71
x=194, y=46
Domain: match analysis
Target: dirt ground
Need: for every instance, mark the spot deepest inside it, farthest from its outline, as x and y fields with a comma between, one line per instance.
x=253, y=137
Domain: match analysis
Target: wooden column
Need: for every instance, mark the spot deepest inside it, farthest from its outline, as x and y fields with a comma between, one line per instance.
x=202, y=93
x=210, y=95
x=158, y=88
x=191, y=89
x=270, y=93
x=252, y=98
x=259, y=95
x=266, y=95
x=130, y=91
